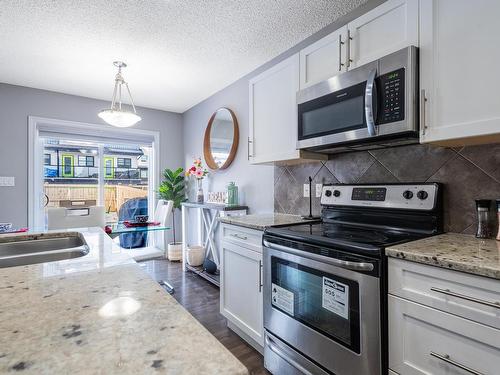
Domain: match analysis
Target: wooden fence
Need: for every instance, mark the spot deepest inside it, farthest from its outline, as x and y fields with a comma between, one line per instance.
x=114, y=195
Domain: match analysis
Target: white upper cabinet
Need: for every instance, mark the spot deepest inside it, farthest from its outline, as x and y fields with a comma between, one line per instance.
x=459, y=71
x=273, y=113
x=385, y=29
x=323, y=59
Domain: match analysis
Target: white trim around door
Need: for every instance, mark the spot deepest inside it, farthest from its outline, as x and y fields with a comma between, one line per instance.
x=40, y=125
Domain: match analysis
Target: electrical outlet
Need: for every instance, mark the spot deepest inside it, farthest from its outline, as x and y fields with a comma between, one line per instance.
x=7, y=181
x=319, y=189
x=306, y=191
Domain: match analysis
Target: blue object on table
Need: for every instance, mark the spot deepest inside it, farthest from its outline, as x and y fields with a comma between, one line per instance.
x=128, y=211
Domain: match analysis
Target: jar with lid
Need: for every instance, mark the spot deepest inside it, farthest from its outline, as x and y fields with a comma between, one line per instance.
x=232, y=194
x=483, y=218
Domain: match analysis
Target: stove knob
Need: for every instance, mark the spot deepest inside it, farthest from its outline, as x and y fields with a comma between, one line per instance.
x=422, y=194
x=336, y=193
x=328, y=193
x=407, y=194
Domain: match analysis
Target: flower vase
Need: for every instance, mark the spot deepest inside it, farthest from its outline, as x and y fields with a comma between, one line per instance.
x=199, y=194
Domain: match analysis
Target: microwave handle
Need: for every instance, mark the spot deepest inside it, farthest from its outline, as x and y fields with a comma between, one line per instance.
x=369, y=94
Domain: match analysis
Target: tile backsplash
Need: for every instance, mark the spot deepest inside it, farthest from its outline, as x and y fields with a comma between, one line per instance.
x=467, y=173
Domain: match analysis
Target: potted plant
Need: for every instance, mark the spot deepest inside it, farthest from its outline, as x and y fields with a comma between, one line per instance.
x=172, y=189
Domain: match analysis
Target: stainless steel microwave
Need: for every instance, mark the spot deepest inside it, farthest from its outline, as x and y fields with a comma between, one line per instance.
x=374, y=105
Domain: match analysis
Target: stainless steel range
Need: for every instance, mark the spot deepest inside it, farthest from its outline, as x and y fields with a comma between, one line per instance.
x=325, y=282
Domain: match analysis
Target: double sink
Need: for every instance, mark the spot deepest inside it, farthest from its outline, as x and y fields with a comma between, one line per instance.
x=33, y=249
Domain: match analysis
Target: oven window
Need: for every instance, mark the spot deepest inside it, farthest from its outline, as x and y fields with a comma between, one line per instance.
x=324, y=302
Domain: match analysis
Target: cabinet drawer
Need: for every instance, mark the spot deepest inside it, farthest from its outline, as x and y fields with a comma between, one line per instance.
x=423, y=340
x=465, y=295
x=248, y=238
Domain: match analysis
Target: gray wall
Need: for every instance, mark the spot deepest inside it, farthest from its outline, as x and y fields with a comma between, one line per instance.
x=467, y=173
x=255, y=182
x=17, y=103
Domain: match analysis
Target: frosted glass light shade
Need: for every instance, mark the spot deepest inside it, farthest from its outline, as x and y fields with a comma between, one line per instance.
x=120, y=119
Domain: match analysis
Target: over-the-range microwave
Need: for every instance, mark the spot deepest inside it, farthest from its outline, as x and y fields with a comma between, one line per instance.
x=372, y=106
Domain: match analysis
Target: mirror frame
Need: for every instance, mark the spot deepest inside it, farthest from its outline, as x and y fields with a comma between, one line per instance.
x=206, y=142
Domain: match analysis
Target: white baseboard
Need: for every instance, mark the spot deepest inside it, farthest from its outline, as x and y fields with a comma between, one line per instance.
x=245, y=337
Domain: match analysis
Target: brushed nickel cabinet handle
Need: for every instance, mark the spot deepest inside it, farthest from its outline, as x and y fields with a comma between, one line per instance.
x=446, y=358
x=341, y=64
x=248, y=148
x=467, y=298
x=423, y=101
x=236, y=235
x=348, y=49
x=260, y=276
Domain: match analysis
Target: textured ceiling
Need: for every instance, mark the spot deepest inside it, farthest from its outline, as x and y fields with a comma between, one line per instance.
x=178, y=52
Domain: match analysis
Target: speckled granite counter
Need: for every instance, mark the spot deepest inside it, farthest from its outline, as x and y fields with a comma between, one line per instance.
x=262, y=221
x=453, y=251
x=100, y=314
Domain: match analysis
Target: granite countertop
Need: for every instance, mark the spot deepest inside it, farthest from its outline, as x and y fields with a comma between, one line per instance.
x=100, y=314
x=262, y=221
x=460, y=252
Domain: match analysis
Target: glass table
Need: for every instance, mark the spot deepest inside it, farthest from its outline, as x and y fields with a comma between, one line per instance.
x=121, y=228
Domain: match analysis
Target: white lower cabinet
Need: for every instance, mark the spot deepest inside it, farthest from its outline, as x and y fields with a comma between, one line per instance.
x=241, y=288
x=423, y=340
x=441, y=333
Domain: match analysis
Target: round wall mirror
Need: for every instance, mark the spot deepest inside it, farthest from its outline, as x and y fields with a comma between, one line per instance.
x=221, y=139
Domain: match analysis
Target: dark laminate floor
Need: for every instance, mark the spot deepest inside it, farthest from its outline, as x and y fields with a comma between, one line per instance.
x=201, y=299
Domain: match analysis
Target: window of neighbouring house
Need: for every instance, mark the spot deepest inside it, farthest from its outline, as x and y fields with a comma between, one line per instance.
x=86, y=161
x=124, y=162
x=46, y=159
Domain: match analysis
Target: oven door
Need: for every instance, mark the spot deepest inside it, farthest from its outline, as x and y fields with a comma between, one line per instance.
x=327, y=309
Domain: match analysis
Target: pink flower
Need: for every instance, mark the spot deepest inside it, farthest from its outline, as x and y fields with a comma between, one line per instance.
x=199, y=173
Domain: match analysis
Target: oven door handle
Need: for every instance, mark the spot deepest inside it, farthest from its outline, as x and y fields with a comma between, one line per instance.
x=370, y=93
x=270, y=344
x=353, y=266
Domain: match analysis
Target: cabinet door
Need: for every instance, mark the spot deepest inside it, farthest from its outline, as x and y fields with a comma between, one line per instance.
x=459, y=71
x=423, y=341
x=241, y=289
x=385, y=29
x=323, y=59
x=273, y=112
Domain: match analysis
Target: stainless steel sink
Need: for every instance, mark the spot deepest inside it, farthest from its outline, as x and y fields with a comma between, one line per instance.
x=40, y=249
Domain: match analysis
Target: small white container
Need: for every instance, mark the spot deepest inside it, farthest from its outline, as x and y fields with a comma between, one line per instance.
x=195, y=255
x=174, y=251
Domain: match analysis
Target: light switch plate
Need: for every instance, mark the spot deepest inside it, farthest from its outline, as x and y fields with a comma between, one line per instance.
x=7, y=181
x=319, y=189
x=306, y=191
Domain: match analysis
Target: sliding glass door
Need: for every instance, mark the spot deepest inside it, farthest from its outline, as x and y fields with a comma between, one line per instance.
x=80, y=173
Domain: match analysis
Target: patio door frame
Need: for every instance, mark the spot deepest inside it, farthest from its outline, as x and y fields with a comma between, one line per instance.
x=37, y=125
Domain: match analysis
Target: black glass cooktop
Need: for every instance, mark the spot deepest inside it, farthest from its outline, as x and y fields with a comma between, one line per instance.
x=344, y=236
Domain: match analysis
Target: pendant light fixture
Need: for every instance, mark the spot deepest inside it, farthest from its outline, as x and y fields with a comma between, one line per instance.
x=117, y=115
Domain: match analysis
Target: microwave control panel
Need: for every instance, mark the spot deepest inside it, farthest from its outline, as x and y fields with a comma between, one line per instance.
x=391, y=89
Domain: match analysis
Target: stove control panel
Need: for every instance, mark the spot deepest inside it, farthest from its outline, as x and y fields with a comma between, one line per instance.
x=405, y=196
